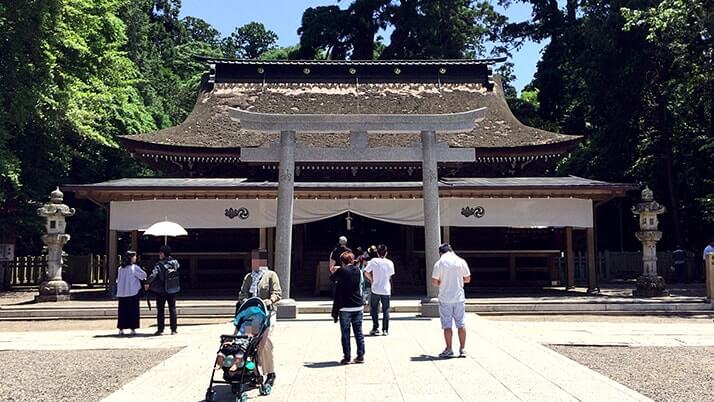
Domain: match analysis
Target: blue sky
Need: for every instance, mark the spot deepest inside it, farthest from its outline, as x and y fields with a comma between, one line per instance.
x=283, y=17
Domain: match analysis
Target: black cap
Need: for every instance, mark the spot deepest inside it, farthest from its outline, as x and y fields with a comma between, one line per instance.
x=445, y=248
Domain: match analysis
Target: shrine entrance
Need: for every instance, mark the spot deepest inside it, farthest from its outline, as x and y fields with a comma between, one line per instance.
x=320, y=237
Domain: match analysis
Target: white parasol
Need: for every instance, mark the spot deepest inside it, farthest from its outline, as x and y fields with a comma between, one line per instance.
x=166, y=228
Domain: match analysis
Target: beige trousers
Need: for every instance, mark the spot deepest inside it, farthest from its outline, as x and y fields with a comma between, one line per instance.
x=265, y=351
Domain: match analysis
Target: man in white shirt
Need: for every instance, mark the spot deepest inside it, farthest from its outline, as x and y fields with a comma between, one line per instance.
x=450, y=273
x=379, y=272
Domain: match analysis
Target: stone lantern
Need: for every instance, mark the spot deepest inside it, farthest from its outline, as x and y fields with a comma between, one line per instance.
x=649, y=284
x=55, y=212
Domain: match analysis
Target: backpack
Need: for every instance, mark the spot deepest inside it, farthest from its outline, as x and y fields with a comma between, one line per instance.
x=171, y=277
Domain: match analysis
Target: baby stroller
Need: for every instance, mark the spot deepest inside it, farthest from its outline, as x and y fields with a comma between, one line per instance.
x=238, y=353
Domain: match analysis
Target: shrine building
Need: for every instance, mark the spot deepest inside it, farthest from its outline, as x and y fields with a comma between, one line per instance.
x=289, y=155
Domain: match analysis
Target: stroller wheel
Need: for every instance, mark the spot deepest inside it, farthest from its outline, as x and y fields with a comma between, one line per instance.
x=266, y=389
x=210, y=396
x=242, y=397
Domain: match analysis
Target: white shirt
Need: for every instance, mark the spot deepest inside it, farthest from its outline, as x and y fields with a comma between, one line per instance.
x=128, y=280
x=382, y=269
x=707, y=250
x=450, y=270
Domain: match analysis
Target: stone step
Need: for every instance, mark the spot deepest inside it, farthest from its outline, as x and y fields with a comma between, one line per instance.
x=226, y=310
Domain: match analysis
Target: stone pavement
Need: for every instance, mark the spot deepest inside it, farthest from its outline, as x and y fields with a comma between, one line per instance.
x=502, y=365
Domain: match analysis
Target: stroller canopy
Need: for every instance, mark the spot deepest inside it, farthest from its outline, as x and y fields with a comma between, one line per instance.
x=253, y=313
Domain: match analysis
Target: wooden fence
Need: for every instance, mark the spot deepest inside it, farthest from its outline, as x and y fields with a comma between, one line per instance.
x=91, y=269
x=620, y=265
x=87, y=270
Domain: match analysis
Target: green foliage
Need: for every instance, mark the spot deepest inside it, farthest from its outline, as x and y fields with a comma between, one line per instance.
x=200, y=31
x=70, y=89
x=450, y=29
x=249, y=41
x=636, y=79
x=77, y=74
x=530, y=95
x=281, y=53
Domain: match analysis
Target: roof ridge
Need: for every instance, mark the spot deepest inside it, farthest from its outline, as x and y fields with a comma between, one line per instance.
x=220, y=60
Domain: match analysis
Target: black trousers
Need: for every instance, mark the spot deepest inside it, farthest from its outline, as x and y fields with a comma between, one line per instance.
x=161, y=300
x=128, y=314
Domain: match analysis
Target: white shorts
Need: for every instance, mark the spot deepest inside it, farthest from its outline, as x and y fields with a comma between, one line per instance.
x=452, y=312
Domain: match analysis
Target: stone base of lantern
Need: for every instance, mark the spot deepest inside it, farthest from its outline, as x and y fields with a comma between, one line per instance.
x=53, y=291
x=650, y=286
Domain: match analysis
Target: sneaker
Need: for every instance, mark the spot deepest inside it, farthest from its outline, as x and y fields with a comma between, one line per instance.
x=385, y=333
x=358, y=360
x=158, y=333
x=270, y=379
x=374, y=332
x=132, y=333
x=345, y=360
x=462, y=353
x=447, y=353
x=121, y=332
x=174, y=332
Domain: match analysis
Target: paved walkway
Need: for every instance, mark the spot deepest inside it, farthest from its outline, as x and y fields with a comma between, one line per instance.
x=502, y=365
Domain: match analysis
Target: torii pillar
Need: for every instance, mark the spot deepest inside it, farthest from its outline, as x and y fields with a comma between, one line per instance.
x=357, y=125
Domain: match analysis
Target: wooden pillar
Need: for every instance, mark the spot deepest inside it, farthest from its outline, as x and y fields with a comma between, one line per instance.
x=298, y=249
x=193, y=270
x=446, y=234
x=112, y=259
x=512, y=268
x=135, y=241
x=262, y=238
x=270, y=243
x=570, y=259
x=592, y=272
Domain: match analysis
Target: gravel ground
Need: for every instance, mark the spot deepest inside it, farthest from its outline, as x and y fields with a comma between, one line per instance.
x=623, y=319
x=148, y=325
x=77, y=375
x=661, y=373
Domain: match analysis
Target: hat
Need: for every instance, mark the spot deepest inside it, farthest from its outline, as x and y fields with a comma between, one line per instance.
x=342, y=240
x=445, y=248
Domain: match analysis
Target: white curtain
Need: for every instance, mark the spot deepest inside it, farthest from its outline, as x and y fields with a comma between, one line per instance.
x=467, y=212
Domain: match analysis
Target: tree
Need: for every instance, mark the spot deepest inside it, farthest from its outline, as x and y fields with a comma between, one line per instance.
x=323, y=31
x=281, y=53
x=636, y=79
x=70, y=90
x=249, y=41
x=421, y=29
x=200, y=31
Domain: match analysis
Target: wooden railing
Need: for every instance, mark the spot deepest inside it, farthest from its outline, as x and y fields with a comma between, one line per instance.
x=87, y=270
x=28, y=270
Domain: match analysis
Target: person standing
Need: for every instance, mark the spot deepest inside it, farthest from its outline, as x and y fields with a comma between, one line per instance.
x=347, y=306
x=263, y=283
x=129, y=279
x=379, y=272
x=337, y=252
x=709, y=249
x=450, y=273
x=679, y=263
x=164, y=282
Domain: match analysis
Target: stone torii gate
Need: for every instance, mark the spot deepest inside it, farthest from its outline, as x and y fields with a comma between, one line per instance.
x=358, y=125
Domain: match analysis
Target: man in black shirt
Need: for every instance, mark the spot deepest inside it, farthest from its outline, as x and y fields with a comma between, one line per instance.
x=348, y=305
x=337, y=252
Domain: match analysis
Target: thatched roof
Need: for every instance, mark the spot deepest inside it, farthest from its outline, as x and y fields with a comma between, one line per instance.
x=209, y=129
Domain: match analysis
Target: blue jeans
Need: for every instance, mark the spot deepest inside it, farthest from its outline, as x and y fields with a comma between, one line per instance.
x=374, y=301
x=353, y=318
